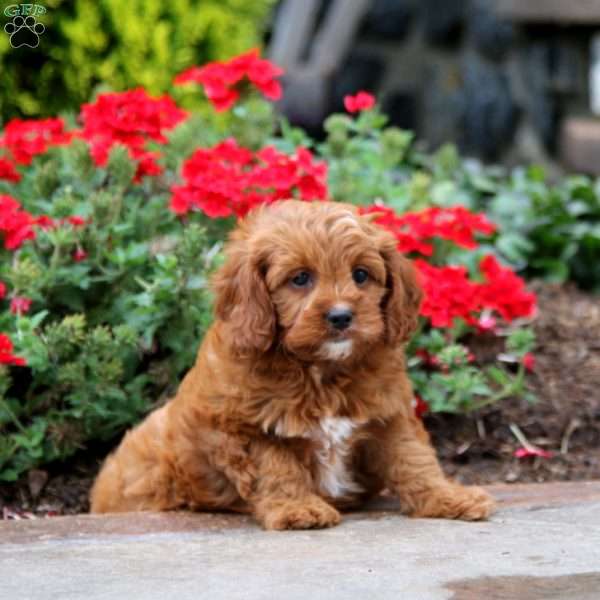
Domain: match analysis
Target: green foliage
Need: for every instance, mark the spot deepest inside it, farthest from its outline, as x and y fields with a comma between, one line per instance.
x=120, y=45
x=82, y=387
x=551, y=230
x=445, y=374
x=109, y=336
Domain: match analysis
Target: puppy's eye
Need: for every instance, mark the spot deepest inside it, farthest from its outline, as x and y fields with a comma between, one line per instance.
x=302, y=279
x=360, y=276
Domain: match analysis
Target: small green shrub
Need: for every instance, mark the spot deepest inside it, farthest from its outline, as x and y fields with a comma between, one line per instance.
x=119, y=305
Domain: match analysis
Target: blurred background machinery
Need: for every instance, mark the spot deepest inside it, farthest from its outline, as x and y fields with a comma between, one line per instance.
x=506, y=80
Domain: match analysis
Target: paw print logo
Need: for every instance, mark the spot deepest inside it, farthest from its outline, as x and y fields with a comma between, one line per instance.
x=24, y=31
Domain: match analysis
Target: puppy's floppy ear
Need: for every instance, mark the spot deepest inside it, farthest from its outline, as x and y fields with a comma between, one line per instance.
x=402, y=302
x=243, y=300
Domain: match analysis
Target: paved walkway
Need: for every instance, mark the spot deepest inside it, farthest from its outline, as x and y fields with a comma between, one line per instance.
x=544, y=543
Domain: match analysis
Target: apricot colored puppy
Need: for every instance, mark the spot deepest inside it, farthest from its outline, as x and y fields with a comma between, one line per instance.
x=298, y=404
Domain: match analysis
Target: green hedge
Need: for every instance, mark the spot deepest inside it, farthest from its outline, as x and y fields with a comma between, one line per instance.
x=120, y=45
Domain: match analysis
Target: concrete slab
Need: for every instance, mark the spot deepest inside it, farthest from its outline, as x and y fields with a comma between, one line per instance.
x=543, y=543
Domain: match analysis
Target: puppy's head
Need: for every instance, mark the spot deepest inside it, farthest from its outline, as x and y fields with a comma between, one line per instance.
x=315, y=280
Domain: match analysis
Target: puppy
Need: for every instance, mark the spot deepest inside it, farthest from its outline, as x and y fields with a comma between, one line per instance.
x=298, y=404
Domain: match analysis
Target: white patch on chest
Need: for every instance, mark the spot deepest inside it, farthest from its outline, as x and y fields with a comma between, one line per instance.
x=332, y=438
x=336, y=350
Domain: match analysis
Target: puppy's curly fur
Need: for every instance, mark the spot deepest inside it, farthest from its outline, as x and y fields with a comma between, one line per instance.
x=289, y=412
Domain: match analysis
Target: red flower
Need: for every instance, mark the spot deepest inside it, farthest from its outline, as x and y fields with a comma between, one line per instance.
x=8, y=171
x=456, y=224
x=449, y=294
x=27, y=138
x=76, y=221
x=532, y=451
x=359, y=102
x=229, y=180
x=132, y=119
x=528, y=361
x=414, y=229
x=45, y=222
x=2, y=290
x=6, y=352
x=20, y=305
x=79, y=254
x=221, y=80
x=16, y=224
x=420, y=406
x=505, y=291
x=408, y=239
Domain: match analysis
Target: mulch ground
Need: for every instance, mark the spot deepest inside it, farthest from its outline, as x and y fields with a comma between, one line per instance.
x=476, y=449
x=565, y=420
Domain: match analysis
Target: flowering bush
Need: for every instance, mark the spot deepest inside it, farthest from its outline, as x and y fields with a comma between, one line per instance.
x=110, y=231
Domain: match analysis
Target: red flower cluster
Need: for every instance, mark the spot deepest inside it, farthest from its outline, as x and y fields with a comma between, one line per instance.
x=19, y=305
x=413, y=229
x=359, y=102
x=448, y=294
x=408, y=241
x=24, y=139
x=15, y=223
x=8, y=171
x=130, y=118
x=221, y=80
x=229, y=179
x=6, y=352
x=504, y=291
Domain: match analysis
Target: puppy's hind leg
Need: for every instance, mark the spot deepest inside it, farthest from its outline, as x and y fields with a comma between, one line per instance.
x=137, y=475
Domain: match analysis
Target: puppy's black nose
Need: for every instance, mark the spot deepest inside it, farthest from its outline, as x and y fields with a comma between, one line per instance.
x=340, y=318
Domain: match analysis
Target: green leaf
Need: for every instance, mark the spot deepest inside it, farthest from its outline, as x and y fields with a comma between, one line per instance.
x=515, y=247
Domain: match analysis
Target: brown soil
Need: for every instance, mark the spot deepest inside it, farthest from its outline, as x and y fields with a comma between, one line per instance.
x=565, y=419
x=477, y=449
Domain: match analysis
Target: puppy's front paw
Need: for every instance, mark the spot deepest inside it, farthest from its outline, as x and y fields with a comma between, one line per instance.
x=309, y=513
x=453, y=501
